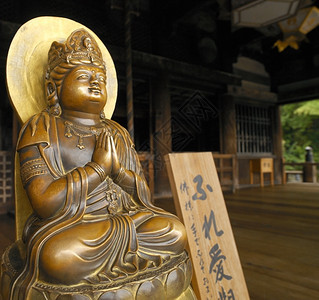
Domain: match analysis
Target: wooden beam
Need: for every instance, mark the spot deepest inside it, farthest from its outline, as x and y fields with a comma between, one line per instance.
x=304, y=94
x=153, y=63
x=253, y=94
x=298, y=91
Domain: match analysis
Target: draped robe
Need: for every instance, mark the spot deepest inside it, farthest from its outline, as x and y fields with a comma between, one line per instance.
x=99, y=234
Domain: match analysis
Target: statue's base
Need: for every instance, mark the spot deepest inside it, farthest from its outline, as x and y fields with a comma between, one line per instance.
x=170, y=281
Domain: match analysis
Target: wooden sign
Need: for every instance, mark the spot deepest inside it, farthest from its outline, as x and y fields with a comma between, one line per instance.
x=200, y=205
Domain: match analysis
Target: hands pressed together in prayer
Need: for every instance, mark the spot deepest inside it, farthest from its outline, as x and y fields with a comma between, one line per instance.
x=105, y=154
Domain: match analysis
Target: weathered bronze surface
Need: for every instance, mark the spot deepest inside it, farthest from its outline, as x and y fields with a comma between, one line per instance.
x=93, y=232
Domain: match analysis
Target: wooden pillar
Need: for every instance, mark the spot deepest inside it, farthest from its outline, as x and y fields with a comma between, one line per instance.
x=1, y=147
x=160, y=95
x=129, y=78
x=151, y=166
x=277, y=144
x=228, y=131
x=228, y=125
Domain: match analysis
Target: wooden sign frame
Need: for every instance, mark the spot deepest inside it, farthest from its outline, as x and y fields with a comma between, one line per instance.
x=200, y=204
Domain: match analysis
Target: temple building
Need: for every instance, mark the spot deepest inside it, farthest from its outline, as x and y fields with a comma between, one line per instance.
x=194, y=76
x=205, y=76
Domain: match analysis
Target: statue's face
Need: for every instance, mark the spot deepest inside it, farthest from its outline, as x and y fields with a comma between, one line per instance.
x=84, y=89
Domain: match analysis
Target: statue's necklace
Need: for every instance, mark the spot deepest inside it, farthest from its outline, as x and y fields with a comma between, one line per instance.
x=81, y=132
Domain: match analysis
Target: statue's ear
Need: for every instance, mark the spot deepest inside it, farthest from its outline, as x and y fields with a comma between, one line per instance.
x=50, y=88
x=52, y=97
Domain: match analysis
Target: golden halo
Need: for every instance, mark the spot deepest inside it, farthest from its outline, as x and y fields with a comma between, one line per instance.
x=27, y=62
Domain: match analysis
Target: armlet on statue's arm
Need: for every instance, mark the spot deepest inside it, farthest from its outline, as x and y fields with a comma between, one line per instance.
x=32, y=168
x=34, y=134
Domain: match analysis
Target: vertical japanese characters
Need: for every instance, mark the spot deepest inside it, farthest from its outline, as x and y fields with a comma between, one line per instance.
x=214, y=272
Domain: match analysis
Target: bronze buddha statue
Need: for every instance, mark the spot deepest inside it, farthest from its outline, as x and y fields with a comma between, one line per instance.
x=93, y=224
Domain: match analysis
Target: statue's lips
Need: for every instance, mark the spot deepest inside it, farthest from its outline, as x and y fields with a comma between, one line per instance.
x=95, y=91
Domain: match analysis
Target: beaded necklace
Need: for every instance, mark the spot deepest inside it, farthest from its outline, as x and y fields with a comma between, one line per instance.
x=81, y=132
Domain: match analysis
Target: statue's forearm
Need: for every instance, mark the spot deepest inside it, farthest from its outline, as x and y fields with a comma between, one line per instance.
x=48, y=195
x=126, y=180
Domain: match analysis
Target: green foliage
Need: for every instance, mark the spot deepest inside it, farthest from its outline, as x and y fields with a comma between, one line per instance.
x=300, y=124
x=308, y=108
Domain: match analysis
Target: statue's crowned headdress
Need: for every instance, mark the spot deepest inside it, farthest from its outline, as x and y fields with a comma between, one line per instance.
x=80, y=46
x=34, y=56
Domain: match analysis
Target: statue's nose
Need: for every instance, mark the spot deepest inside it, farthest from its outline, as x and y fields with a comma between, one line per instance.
x=94, y=81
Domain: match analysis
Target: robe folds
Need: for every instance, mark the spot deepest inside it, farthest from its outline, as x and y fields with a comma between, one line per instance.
x=98, y=237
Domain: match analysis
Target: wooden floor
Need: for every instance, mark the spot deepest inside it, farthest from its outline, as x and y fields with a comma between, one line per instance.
x=277, y=234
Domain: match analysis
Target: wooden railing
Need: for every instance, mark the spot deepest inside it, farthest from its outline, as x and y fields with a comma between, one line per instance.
x=226, y=169
x=309, y=167
x=225, y=166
